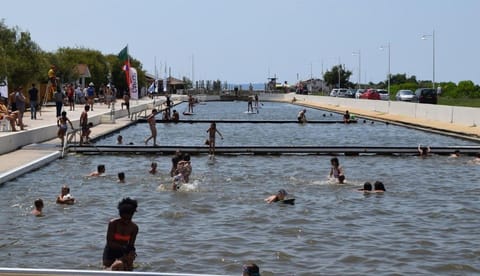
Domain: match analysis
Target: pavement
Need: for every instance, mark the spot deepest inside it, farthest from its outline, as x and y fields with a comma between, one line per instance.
x=28, y=156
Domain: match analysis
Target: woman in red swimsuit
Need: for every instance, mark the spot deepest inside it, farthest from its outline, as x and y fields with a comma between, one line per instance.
x=121, y=235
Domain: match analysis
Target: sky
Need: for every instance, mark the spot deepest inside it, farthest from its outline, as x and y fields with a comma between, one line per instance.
x=247, y=41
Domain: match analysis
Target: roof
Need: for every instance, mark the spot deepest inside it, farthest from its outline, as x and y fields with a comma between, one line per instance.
x=82, y=70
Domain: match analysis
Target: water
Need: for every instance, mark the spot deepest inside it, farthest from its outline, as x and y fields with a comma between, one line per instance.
x=426, y=222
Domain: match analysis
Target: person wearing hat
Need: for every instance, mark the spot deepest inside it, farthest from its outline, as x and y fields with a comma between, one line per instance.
x=277, y=197
x=90, y=94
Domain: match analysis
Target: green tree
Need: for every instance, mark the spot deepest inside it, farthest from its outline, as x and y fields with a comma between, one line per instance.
x=22, y=59
x=466, y=88
x=332, y=77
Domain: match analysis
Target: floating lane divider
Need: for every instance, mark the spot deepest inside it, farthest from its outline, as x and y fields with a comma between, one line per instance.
x=226, y=121
x=271, y=150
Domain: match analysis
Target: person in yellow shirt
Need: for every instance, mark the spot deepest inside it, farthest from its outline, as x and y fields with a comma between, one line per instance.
x=52, y=77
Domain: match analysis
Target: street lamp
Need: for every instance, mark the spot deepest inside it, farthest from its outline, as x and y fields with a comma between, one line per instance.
x=425, y=37
x=389, y=75
x=359, y=66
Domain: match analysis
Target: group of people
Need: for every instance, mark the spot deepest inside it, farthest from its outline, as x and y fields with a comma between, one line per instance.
x=63, y=198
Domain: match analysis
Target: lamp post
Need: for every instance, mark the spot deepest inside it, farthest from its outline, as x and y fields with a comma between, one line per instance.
x=359, y=66
x=389, y=75
x=425, y=37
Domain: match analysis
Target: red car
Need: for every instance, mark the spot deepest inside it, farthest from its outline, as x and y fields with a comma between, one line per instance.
x=370, y=94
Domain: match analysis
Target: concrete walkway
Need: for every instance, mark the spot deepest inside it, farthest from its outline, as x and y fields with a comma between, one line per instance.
x=38, y=145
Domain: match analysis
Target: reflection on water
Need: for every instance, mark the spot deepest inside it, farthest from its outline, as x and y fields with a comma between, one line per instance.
x=426, y=222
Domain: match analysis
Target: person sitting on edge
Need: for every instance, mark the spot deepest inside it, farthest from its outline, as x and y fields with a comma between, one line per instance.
x=64, y=197
x=250, y=270
x=153, y=168
x=175, y=116
x=423, y=151
x=280, y=195
x=346, y=117
x=100, y=171
x=121, y=177
x=301, y=117
x=38, y=207
x=11, y=116
x=336, y=171
x=378, y=187
x=367, y=187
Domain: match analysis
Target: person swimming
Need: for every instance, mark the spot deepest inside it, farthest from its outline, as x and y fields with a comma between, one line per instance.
x=337, y=171
x=38, y=207
x=367, y=187
x=378, y=187
x=279, y=196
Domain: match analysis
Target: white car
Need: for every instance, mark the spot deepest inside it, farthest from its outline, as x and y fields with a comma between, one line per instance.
x=358, y=93
x=383, y=94
x=338, y=92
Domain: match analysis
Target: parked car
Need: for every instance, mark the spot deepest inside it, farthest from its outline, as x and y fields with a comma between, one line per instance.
x=426, y=95
x=358, y=93
x=351, y=93
x=342, y=92
x=383, y=94
x=336, y=92
x=370, y=94
x=406, y=96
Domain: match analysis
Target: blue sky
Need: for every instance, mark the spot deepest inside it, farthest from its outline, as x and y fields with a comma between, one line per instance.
x=248, y=40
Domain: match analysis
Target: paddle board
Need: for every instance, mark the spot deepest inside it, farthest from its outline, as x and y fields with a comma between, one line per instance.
x=188, y=113
x=250, y=112
x=290, y=201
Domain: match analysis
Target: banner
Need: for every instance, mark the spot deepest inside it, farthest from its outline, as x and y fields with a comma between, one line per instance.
x=4, y=88
x=133, y=83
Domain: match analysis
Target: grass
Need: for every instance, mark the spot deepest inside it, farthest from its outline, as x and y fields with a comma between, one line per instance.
x=469, y=102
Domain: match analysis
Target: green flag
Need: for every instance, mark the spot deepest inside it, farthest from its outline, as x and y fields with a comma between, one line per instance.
x=123, y=55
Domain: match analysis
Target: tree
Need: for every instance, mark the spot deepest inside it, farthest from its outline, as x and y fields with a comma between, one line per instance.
x=22, y=59
x=331, y=77
x=466, y=88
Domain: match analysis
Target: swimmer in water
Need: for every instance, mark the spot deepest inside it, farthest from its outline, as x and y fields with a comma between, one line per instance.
x=153, y=168
x=250, y=270
x=423, y=151
x=378, y=187
x=367, y=188
x=336, y=171
x=301, y=117
x=121, y=177
x=455, y=154
x=38, y=207
x=100, y=171
x=64, y=197
x=280, y=195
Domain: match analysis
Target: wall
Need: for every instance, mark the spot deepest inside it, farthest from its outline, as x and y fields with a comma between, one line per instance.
x=466, y=116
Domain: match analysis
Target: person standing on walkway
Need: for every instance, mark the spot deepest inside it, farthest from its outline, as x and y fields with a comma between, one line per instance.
x=153, y=128
x=121, y=235
x=212, y=131
x=84, y=124
x=71, y=96
x=58, y=98
x=126, y=102
x=33, y=94
x=90, y=95
x=20, y=102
